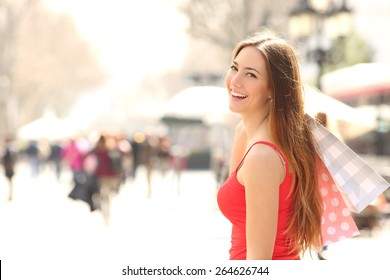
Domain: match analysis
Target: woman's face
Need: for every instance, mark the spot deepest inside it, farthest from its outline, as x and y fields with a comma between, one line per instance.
x=248, y=83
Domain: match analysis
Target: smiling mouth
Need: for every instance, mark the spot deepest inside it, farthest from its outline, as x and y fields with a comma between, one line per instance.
x=238, y=95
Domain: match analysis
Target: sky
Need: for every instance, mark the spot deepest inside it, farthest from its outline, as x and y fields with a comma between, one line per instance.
x=132, y=38
x=138, y=37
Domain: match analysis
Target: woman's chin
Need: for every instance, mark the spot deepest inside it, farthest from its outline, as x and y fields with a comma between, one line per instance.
x=234, y=109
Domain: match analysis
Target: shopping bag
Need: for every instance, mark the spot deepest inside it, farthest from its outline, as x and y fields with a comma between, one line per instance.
x=358, y=183
x=337, y=222
x=85, y=187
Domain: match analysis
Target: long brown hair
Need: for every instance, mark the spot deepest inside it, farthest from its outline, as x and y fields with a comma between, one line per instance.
x=289, y=128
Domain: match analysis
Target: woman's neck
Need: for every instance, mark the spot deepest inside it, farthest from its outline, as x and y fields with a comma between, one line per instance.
x=257, y=129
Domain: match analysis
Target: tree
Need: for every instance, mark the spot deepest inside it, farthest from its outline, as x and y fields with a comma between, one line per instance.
x=225, y=22
x=11, y=13
x=347, y=51
x=216, y=26
x=45, y=61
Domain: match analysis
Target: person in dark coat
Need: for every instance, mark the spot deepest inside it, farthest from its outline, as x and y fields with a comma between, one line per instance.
x=33, y=155
x=55, y=157
x=8, y=162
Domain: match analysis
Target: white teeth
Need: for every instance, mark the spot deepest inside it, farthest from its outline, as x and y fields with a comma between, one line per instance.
x=239, y=95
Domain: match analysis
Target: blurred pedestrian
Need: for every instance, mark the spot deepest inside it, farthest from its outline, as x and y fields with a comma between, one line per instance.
x=121, y=156
x=55, y=157
x=150, y=152
x=271, y=196
x=8, y=161
x=135, y=143
x=73, y=155
x=164, y=153
x=106, y=174
x=33, y=155
x=145, y=152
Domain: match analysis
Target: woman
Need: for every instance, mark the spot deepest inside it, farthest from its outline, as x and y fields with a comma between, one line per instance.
x=107, y=175
x=271, y=196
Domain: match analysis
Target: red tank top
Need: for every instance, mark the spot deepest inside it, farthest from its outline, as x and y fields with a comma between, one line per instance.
x=231, y=201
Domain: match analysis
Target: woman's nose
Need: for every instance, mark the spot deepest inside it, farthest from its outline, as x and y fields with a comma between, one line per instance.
x=236, y=79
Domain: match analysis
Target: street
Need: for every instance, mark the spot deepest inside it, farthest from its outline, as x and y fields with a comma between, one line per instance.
x=42, y=225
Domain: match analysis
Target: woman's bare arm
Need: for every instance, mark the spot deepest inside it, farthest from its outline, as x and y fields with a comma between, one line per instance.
x=261, y=174
x=239, y=146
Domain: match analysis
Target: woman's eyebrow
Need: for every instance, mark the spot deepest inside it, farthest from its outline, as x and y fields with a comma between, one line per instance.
x=248, y=68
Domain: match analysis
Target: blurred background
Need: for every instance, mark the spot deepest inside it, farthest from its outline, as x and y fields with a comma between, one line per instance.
x=139, y=72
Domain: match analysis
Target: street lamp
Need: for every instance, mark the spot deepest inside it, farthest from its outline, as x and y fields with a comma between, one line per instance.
x=318, y=23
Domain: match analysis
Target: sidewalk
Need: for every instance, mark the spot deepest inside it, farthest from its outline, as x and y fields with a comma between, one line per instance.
x=42, y=218
x=187, y=227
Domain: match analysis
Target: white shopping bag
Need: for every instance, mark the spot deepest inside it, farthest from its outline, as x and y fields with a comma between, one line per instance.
x=358, y=183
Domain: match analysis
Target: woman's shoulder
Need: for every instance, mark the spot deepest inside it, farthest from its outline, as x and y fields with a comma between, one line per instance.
x=263, y=152
x=263, y=159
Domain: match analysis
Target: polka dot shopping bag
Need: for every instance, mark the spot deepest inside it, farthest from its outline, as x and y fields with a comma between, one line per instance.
x=337, y=222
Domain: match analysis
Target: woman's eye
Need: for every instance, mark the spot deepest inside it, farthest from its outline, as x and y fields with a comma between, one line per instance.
x=251, y=75
x=233, y=67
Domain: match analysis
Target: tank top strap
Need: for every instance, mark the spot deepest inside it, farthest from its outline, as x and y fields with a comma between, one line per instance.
x=283, y=158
